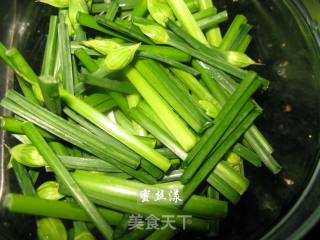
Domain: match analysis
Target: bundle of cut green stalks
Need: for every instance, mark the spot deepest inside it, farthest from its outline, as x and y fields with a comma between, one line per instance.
x=134, y=98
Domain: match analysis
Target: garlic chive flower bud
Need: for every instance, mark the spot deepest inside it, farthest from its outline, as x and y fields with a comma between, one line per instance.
x=156, y=33
x=51, y=229
x=76, y=6
x=121, y=57
x=160, y=11
x=238, y=59
x=27, y=155
x=56, y=3
x=49, y=190
x=103, y=46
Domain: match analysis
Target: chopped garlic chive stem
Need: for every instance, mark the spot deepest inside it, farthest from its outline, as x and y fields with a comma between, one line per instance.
x=67, y=179
x=75, y=134
x=114, y=130
x=156, y=131
x=140, y=9
x=186, y=19
x=23, y=178
x=240, y=36
x=213, y=21
x=87, y=20
x=232, y=177
x=57, y=209
x=169, y=62
x=27, y=89
x=113, y=10
x=245, y=44
x=232, y=31
x=65, y=55
x=222, y=187
x=204, y=13
x=208, y=166
x=123, y=30
x=86, y=60
x=49, y=59
x=224, y=120
x=160, y=80
x=14, y=125
x=247, y=154
x=50, y=92
x=193, y=5
x=173, y=122
x=214, y=34
x=194, y=85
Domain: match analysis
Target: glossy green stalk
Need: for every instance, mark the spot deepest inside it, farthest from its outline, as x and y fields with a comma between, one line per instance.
x=122, y=227
x=113, y=85
x=130, y=190
x=121, y=101
x=23, y=178
x=263, y=153
x=26, y=89
x=146, y=109
x=160, y=80
x=211, y=11
x=214, y=34
x=81, y=231
x=245, y=44
x=186, y=19
x=215, y=89
x=169, y=62
x=114, y=130
x=67, y=180
x=123, y=30
x=14, y=125
x=213, y=21
x=173, y=122
x=65, y=56
x=232, y=31
x=127, y=154
x=113, y=10
x=50, y=92
x=223, y=121
x=231, y=177
x=88, y=164
x=247, y=154
x=96, y=98
x=257, y=141
x=166, y=52
x=193, y=5
x=156, y=131
x=220, y=185
x=58, y=126
x=106, y=106
x=56, y=209
x=241, y=36
x=21, y=66
x=49, y=58
x=86, y=60
x=87, y=20
x=208, y=166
